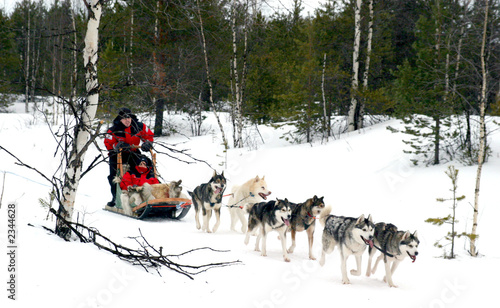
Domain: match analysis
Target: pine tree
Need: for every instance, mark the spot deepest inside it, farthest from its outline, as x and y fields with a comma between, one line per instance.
x=452, y=173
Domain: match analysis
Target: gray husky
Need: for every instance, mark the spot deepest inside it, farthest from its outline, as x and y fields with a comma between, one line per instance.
x=269, y=216
x=208, y=197
x=394, y=246
x=352, y=235
x=304, y=219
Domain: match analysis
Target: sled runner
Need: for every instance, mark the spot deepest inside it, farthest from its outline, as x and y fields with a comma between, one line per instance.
x=174, y=208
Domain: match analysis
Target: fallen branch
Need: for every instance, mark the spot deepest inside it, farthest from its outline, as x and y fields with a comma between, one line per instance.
x=146, y=256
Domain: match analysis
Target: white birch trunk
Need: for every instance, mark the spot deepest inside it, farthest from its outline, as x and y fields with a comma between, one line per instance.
x=238, y=139
x=482, y=133
x=367, y=65
x=81, y=141
x=209, y=81
x=351, y=117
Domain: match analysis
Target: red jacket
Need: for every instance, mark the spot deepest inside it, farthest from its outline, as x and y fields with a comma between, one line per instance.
x=132, y=135
x=138, y=177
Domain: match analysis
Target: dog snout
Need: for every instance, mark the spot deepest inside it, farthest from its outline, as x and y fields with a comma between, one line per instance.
x=416, y=253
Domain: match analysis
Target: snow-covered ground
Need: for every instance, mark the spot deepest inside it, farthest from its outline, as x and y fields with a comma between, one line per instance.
x=361, y=172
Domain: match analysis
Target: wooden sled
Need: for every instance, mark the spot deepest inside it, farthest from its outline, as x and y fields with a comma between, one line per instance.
x=173, y=208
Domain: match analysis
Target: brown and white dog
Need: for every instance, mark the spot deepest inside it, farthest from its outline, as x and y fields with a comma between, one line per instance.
x=304, y=219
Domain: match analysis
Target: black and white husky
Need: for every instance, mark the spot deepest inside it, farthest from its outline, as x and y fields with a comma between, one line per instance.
x=394, y=246
x=269, y=216
x=351, y=235
x=207, y=197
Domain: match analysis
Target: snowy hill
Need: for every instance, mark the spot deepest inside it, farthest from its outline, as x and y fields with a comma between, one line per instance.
x=364, y=172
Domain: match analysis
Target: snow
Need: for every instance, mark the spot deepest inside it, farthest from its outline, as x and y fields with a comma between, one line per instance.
x=363, y=172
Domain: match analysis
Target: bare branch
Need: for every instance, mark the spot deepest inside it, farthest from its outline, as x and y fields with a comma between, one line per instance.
x=147, y=256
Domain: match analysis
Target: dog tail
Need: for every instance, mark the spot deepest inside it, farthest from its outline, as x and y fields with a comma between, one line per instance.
x=324, y=214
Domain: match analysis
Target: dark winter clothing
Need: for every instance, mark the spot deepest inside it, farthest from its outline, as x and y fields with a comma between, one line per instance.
x=127, y=139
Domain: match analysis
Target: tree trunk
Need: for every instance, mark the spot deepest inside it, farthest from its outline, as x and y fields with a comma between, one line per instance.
x=131, y=46
x=238, y=139
x=82, y=132
x=367, y=65
x=326, y=118
x=74, y=76
x=437, y=139
x=27, y=61
x=209, y=81
x=482, y=133
x=158, y=80
x=353, y=109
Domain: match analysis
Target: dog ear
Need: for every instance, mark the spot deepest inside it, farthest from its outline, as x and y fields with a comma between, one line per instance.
x=406, y=235
x=257, y=179
x=415, y=234
x=215, y=174
x=370, y=218
x=179, y=182
x=263, y=177
x=360, y=219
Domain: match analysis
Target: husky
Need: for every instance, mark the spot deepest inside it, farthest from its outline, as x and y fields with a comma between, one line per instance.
x=269, y=216
x=242, y=199
x=207, y=197
x=394, y=246
x=304, y=218
x=135, y=195
x=352, y=235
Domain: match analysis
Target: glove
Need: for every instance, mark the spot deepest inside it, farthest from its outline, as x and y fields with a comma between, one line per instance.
x=122, y=146
x=146, y=146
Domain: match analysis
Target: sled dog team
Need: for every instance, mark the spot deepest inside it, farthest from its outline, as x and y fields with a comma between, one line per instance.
x=350, y=235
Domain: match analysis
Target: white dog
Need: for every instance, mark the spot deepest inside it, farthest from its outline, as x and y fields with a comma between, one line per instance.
x=242, y=199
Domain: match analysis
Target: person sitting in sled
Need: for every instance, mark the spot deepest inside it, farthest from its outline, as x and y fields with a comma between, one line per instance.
x=135, y=185
x=139, y=175
x=124, y=136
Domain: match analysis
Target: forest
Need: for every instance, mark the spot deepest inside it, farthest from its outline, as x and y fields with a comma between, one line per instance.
x=430, y=63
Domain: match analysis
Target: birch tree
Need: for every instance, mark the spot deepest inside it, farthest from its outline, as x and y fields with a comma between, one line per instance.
x=367, y=64
x=238, y=84
x=27, y=57
x=354, y=108
x=84, y=115
x=482, y=131
x=209, y=80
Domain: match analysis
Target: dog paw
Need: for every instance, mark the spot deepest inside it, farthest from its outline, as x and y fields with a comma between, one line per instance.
x=312, y=258
x=322, y=261
x=287, y=259
x=346, y=281
x=263, y=254
x=355, y=273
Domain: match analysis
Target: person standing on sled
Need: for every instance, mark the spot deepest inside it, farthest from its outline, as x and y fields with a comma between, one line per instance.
x=125, y=136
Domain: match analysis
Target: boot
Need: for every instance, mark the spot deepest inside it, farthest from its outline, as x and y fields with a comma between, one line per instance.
x=113, y=193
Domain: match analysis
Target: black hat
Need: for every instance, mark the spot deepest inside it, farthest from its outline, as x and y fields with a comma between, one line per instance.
x=124, y=113
x=143, y=158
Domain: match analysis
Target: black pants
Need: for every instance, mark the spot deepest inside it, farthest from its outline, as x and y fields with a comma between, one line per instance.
x=128, y=157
